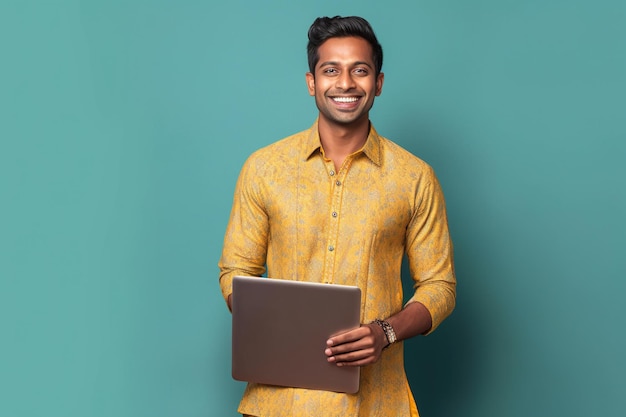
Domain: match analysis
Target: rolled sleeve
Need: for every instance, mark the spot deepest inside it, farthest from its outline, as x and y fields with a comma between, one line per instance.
x=430, y=253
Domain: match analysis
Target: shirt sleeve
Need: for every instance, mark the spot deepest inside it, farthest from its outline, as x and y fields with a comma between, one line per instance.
x=430, y=253
x=245, y=242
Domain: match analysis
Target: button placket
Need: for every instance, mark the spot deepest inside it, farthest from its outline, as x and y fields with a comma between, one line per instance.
x=337, y=180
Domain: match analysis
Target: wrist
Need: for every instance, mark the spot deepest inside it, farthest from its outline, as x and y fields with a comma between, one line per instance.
x=388, y=331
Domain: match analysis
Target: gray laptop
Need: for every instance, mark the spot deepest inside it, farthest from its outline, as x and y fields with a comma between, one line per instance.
x=280, y=328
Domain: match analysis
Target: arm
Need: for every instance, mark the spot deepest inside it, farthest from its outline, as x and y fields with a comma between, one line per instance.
x=364, y=345
x=245, y=240
x=429, y=251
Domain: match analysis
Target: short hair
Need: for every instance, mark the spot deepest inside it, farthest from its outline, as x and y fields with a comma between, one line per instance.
x=324, y=28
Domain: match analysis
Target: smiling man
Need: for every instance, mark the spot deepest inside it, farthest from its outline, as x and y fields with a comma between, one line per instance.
x=338, y=203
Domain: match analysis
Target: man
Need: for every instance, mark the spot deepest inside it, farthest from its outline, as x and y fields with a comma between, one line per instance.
x=339, y=203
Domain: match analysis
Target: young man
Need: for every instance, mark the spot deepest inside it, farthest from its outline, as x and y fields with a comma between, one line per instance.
x=339, y=203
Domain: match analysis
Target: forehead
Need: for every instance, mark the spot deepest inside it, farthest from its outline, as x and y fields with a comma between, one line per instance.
x=345, y=50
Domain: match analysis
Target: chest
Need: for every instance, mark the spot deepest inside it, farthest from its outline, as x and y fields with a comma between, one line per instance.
x=360, y=198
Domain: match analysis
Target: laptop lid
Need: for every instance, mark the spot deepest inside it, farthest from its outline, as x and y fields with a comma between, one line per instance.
x=280, y=329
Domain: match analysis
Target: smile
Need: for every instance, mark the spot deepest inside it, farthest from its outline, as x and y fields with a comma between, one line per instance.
x=345, y=99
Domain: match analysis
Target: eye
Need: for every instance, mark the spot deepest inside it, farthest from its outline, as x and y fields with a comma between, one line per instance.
x=360, y=71
x=331, y=71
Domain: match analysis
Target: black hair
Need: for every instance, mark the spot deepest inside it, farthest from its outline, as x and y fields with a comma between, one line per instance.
x=324, y=28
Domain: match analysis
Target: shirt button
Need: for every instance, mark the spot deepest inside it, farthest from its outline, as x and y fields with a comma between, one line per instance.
x=338, y=183
x=332, y=172
x=331, y=248
x=334, y=214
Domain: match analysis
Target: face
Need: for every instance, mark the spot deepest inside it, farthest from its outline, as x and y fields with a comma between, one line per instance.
x=345, y=82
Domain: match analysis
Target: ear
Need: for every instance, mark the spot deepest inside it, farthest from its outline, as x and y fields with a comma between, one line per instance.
x=379, y=83
x=310, y=83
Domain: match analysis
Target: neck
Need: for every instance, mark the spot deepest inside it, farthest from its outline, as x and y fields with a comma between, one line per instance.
x=339, y=141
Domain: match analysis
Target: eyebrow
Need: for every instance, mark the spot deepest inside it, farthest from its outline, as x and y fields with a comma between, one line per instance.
x=336, y=63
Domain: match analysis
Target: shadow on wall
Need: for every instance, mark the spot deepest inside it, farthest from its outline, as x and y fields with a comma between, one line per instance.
x=441, y=367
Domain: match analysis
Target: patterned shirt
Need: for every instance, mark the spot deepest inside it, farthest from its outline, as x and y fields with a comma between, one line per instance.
x=293, y=213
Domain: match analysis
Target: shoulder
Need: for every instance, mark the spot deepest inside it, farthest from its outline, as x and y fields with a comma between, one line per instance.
x=397, y=159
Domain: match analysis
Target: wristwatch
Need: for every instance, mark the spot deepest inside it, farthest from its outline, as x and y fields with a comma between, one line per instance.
x=388, y=330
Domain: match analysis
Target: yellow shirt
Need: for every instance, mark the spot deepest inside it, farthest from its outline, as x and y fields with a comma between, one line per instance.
x=295, y=214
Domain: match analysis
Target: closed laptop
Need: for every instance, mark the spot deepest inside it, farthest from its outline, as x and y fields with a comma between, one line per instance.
x=280, y=329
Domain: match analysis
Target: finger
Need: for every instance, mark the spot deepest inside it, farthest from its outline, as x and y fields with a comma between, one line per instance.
x=357, y=358
x=333, y=354
x=351, y=352
x=362, y=362
x=350, y=336
x=360, y=344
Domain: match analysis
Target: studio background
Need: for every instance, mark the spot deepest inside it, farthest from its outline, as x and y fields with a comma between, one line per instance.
x=123, y=126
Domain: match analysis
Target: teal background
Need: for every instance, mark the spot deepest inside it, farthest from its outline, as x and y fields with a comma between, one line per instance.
x=123, y=125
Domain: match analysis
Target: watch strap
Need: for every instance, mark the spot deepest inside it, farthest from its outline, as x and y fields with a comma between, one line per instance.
x=390, y=334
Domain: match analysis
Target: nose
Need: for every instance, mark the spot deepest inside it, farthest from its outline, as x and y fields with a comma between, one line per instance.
x=345, y=81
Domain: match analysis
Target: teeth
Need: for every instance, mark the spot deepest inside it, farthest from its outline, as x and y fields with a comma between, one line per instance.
x=345, y=99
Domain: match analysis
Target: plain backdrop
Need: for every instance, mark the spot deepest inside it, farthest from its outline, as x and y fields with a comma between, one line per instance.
x=123, y=126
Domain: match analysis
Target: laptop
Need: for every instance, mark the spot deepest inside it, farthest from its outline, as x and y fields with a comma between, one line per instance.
x=280, y=329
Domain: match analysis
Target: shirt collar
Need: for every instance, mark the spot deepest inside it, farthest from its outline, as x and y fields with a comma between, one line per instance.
x=371, y=149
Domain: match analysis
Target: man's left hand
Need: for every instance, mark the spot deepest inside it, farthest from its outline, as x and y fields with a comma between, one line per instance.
x=361, y=346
